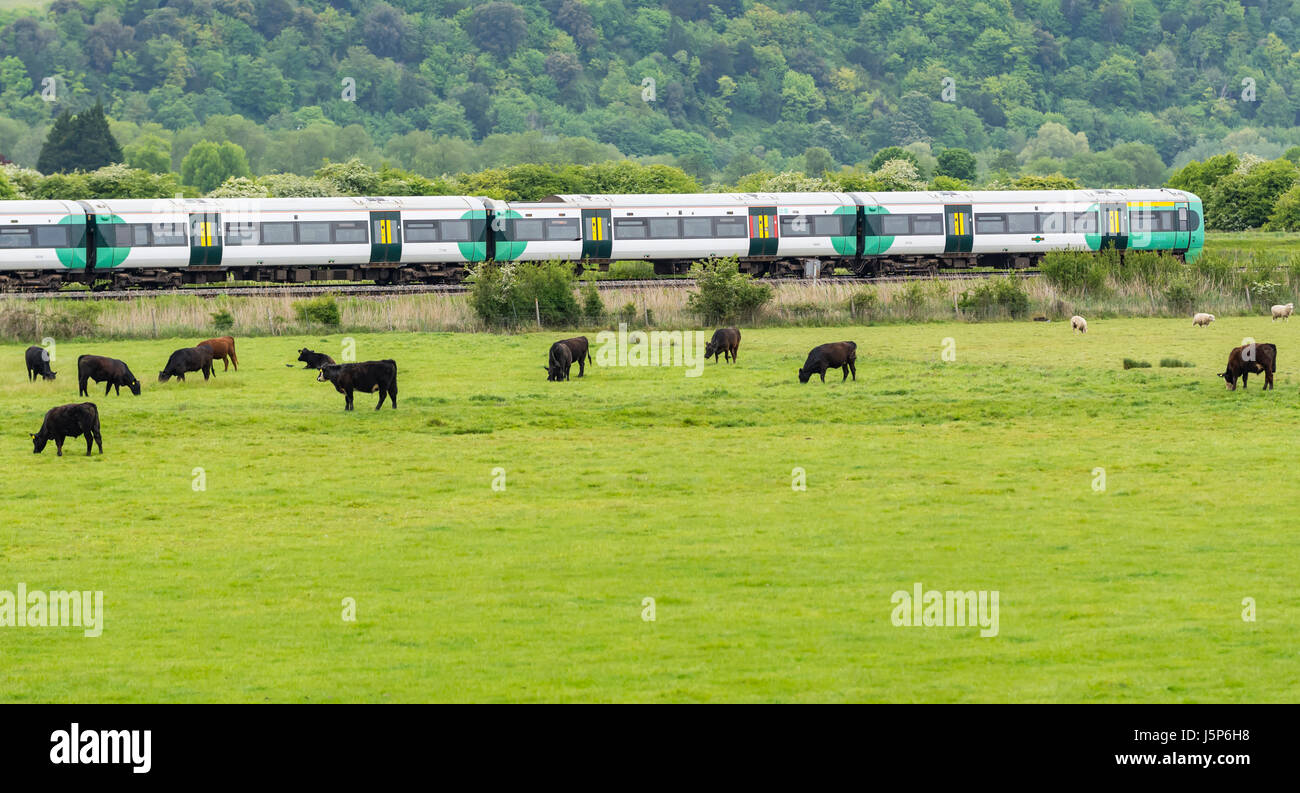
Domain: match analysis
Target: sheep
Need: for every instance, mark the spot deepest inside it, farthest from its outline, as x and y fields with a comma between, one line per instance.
x=1283, y=312
x=1202, y=319
x=1078, y=323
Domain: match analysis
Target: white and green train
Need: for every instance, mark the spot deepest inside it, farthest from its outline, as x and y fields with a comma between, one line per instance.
x=432, y=239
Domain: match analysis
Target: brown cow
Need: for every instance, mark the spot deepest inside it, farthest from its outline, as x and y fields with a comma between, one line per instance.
x=1251, y=359
x=836, y=355
x=223, y=348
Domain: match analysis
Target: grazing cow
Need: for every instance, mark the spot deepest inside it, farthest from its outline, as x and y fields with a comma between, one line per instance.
x=1283, y=312
x=1244, y=361
x=836, y=355
x=223, y=348
x=368, y=377
x=1078, y=323
x=724, y=343
x=67, y=421
x=105, y=370
x=578, y=347
x=1202, y=319
x=314, y=360
x=38, y=363
x=188, y=359
x=559, y=362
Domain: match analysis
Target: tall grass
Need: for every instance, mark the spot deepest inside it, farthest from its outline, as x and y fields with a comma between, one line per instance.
x=1139, y=285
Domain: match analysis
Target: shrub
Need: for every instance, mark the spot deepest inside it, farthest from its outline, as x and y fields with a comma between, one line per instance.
x=863, y=301
x=63, y=320
x=1078, y=272
x=1180, y=296
x=1267, y=292
x=593, y=307
x=1129, y=363
x=1174, y=363
x=995, y=297
x=323, y=310
x=725, y=294
x=222, y=320
x=513, y=293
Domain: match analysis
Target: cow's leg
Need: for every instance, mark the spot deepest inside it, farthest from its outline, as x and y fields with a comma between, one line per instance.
x=90, y=442
x=853, y=368
x=383, y=394
x=582, y=366
x=108, y=387
x=392, y=394
x=823, y=374
x=99, y=440
x=81, y=388
x=1245, y=378
x=1268, y=379
x=348, y=405
x=58, y=444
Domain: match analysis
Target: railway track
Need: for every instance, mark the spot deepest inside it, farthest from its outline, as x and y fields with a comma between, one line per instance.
x=374, y=291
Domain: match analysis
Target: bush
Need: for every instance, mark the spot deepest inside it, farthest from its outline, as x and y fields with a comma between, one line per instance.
x=593, y=307
x=725, y=294
x=323, y=310
x=995, y=297
x=1129, y=363
x=1174, y=363
x=514, y=293
x=222, y=320
x=1077, y=272
x=1180, y=296
x=863, y=301
x=1267, y=293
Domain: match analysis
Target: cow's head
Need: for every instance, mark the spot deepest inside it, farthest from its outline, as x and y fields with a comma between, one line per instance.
x=328, y=372
x=305, y=354
x=163, y=377
x=134, y=385
x=38, y=441
x=711, y=350
x=49, y=375
x=804, y=375
x=1229, y=379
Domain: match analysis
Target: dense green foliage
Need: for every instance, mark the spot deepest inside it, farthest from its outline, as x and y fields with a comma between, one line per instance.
x=522, y=293
x=1109, y=94
x=725, y=294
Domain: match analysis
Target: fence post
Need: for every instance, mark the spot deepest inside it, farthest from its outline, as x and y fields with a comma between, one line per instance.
x=537, y=308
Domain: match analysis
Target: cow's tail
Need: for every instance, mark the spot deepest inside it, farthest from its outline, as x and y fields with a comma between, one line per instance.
x=233, y=358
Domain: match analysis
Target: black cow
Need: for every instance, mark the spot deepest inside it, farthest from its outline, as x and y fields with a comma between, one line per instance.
x=105, y=370
x=836, y=355
x=1243, y=362
x=189, y=359
x=559, y=361
x=38, y=363
x=725, y=342
x=578, y=347
x=367, y=377
x=67, y=421
x=314, y=360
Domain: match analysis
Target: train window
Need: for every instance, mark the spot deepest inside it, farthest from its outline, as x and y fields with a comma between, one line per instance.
x=927, y=224
x=277, y=233
x=1022, y=223
x=169, y=234
x=629, y=229
x=241, y=234
x=697, y=228
x=895, y=225
x=990, y=224
x=796, y=226
x=563, y=229
x=731, y=227
x=421, y=231
x=20, y=237
x=52, y=236
x=526, y=230
x=1052, y=223
x=829, y=225
x=455, y=231
x=353, y=231
x=314, y=233
x=1085, y=223
x=1193, y=220
x=664, y=229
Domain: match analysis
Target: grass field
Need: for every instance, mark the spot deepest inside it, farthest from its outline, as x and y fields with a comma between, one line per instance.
x=634, y=483
x=1248, y=243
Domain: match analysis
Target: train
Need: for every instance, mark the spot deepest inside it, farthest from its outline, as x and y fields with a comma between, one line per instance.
x=167, y=243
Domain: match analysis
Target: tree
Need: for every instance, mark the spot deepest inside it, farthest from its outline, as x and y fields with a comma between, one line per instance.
x=498, y=27
x=893, y=153
x=79, y=143
x=958, y=164
x=817, y=161
x=207, y=165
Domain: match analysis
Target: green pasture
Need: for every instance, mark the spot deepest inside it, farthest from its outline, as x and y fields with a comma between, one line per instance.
x=633, y=483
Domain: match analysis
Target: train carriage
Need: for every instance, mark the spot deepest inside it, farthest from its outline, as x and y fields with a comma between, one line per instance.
x=42, y=243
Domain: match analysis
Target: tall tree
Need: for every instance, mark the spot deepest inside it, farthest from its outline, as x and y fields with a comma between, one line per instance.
x=79, y=143
x=56, y=154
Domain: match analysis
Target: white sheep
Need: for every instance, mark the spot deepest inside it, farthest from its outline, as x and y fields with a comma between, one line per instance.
x=1202, y=319
x=1078, y=323
x=1283, y=312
